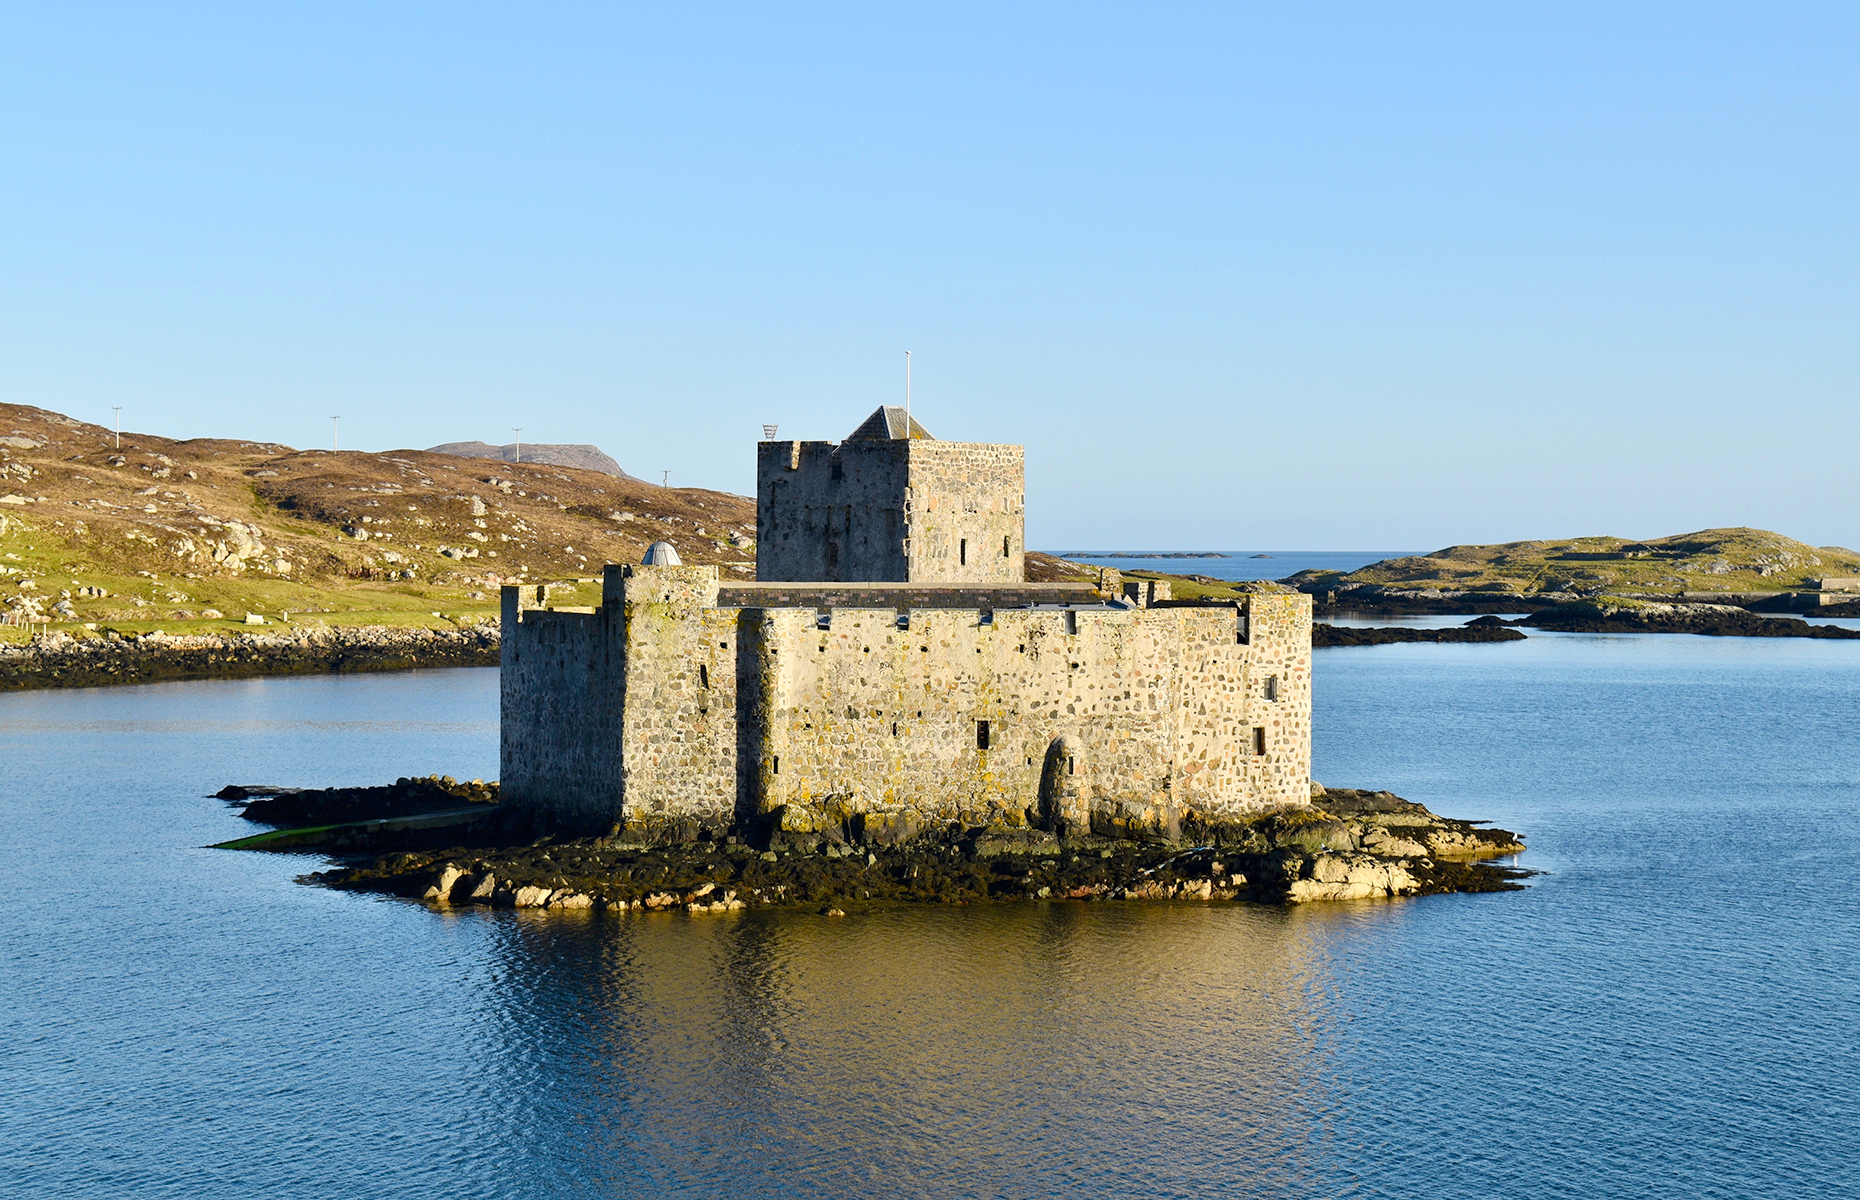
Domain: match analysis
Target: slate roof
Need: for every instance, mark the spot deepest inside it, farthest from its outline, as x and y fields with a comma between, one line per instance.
x=887, y=423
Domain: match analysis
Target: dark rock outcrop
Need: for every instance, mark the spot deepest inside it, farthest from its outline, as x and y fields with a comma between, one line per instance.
x=1712, y=620
x=286, y=807
x=1475, y=631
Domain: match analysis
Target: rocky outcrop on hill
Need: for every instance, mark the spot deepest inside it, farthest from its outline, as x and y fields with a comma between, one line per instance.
x=63, y=660
x=586, y=457
x=1348, y=845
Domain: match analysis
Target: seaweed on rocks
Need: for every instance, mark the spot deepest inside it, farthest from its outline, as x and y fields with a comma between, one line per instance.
x=1348, y=845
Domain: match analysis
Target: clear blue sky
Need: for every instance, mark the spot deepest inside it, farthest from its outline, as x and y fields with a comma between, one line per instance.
x=1275, y=276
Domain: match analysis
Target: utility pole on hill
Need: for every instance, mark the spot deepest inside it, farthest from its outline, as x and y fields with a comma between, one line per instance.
x=518, y=430
x=335, y=434
x=119, y=425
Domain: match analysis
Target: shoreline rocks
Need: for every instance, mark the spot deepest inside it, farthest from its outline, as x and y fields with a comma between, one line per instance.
x=62, y=660
x=1611, y=615
x=1349, y=845
x=1349, y=635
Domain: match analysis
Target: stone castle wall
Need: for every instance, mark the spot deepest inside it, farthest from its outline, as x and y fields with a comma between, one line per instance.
x=919, y=511
x=904, y=595
x=562, y=691
x=966, y=513
x=666, y=712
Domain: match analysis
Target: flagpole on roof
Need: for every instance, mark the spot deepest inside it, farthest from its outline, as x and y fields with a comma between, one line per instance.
x=908, y=434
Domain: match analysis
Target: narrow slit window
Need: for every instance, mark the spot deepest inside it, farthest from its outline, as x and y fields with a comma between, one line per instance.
x=1004, y=548
x=1072, y=621
x=981, y=735
x=894, y=729
x=1071, y=764
x=1259, y=741
x=1240, y=632
x=1272, y=687
x=962, y=552
x=775, y=764
x=703, y=676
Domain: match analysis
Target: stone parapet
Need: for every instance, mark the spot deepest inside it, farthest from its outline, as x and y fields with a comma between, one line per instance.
x=903, y=595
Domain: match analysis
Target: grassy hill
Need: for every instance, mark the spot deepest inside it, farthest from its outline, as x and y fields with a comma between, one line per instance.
x=1711, y=560
x=191, y=536
x=171, y=532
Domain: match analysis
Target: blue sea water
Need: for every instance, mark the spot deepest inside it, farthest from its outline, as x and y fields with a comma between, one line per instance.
x=1241, y=564
x=1669, y=1011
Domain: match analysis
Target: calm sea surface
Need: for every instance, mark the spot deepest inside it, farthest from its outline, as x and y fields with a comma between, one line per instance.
x=1674, y=1010
x=1244, y=564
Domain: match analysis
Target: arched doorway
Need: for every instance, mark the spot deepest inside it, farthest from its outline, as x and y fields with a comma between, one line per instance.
x=1063, y=805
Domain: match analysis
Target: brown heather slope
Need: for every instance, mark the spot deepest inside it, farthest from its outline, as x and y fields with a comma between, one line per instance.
x=171, y=529
x=174, y=532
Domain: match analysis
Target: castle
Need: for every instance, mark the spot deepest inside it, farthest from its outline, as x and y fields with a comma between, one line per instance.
x=891, y=671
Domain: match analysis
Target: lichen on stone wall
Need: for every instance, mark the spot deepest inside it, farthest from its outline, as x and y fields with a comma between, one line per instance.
x=904, y=720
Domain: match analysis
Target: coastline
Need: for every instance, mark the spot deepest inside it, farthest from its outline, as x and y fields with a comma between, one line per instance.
x=62, y=660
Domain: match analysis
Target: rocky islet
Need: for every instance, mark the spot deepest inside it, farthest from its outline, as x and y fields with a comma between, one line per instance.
x=1349, y=845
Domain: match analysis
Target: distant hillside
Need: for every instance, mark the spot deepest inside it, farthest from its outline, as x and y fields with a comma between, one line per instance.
x=1710, y=560
x=587, y=458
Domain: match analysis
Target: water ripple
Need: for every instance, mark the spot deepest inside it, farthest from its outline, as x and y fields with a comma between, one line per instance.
x=1670, y=1011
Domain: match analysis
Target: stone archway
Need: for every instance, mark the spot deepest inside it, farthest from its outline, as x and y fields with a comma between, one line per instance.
x=1064, y=808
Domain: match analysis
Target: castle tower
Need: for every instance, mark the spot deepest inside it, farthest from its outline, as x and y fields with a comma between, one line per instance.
x=890, y=504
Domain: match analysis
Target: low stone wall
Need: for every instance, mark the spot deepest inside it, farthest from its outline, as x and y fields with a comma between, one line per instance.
x=61, y=660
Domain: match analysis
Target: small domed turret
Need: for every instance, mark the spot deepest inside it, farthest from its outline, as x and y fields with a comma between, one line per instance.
x=661, y=554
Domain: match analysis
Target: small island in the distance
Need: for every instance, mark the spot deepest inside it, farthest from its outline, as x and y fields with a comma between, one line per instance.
x=1718, y=582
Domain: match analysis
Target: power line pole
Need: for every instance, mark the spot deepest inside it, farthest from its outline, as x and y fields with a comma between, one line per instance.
x=665, y=479
x=119, y=425
x=518, y=430
x=335, y=434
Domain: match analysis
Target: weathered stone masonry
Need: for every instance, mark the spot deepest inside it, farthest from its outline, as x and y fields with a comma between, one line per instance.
x=908, y=510
x=665, y=711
